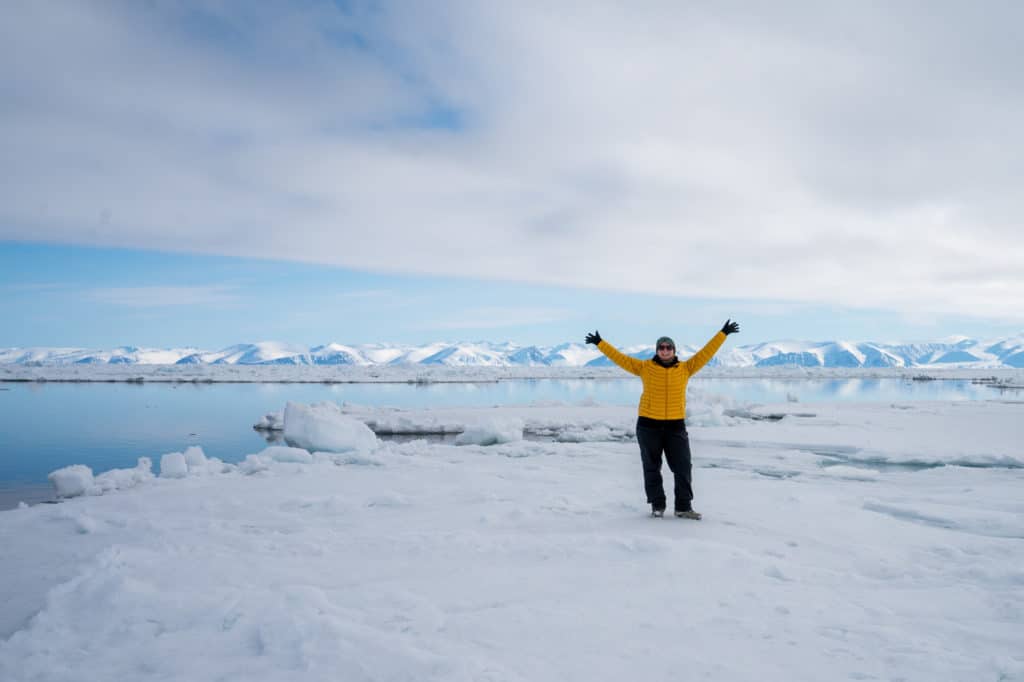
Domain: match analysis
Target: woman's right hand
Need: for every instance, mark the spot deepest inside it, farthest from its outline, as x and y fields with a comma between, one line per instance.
x=594, y=338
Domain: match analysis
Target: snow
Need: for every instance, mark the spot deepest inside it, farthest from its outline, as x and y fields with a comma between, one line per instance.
x=263, y=461
x=257, y=353
x=78, y=479
x=466, y=354
x=121, y=479
x=839, y=541
x=491, y=432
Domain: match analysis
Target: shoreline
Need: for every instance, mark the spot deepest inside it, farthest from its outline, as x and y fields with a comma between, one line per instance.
x=998, y=377
x=13, y=493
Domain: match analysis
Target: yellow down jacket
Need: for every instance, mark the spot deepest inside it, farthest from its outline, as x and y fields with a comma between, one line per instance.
x=664, y=395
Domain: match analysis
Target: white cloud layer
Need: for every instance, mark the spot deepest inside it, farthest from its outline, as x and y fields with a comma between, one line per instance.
x=857, y=154
x=497, y=317
x=157, y=296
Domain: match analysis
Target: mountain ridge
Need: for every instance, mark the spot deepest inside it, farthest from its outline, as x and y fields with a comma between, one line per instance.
x=956, y=351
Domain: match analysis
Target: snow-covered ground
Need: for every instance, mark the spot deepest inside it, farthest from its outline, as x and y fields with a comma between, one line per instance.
x=840, y=541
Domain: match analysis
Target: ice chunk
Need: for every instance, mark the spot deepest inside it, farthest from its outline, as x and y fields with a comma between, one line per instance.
x=271, y=421
x=324, y=427
x=254, y=464
x=275, y=453
x=72, y=481
x=586, y=433
x=492, y=432
x=173, y=465
x=118, y=479
x=282, y=453
x=195, y=457
x=199, y=464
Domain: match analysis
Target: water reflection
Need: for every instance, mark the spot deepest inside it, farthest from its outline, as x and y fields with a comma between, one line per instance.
x=46, y=426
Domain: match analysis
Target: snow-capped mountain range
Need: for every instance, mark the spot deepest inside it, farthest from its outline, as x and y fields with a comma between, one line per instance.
x=953, y=352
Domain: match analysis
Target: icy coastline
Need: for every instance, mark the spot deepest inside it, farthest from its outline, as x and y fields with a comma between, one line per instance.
x=1008, y=377
x=840, y=541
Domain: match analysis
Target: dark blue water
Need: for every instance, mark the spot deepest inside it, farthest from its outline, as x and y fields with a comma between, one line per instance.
x=45, y=426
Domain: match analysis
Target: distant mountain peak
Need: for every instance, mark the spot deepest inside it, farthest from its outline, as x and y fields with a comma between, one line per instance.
x=952, y=351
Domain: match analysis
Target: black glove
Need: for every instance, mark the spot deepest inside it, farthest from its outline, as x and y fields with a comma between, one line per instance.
x=730, y=327
x=594, y=338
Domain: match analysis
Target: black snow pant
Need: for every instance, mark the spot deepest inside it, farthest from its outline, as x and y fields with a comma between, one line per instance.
x=657, y=436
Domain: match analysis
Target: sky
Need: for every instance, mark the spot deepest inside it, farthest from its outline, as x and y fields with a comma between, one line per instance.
x=209, y=173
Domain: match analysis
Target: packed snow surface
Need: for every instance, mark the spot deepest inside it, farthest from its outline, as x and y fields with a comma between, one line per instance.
x=839, y=541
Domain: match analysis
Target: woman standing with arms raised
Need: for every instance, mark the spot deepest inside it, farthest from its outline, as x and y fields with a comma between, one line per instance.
x=661, y=425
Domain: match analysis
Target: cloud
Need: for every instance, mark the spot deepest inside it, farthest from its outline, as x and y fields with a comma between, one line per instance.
x=794, y=152
x=498, y=317
x=161, y=296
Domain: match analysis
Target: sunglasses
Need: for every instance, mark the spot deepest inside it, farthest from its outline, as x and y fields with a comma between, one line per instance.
x=664, y=347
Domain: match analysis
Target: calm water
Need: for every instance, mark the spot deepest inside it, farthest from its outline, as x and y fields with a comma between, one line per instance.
x=44, y=426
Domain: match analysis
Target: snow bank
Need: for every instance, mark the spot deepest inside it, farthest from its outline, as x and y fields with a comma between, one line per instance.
x=547, y=421
x=263, y=460
x=395, y=423
x=120, y=479
x=709, y=410
x=281, y=453
x=585, y=433
x=323, y=426
x=492, y=432
x=78, y=479
x=192, y=462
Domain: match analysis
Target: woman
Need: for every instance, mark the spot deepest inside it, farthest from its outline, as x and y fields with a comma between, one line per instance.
x=661, y=425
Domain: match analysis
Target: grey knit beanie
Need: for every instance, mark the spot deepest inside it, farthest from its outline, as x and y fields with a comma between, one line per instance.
x=664, y=339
